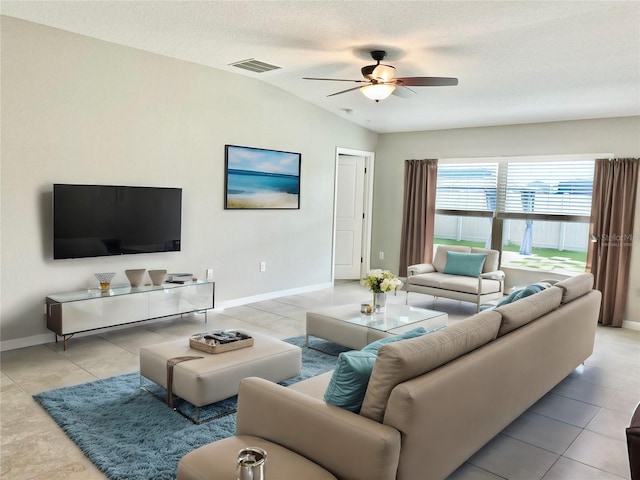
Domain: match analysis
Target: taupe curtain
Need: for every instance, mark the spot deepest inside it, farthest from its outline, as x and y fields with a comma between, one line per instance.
x=615, y=185
x=418, y=216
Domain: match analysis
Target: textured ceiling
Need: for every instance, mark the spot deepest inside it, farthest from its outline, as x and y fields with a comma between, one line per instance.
x=516, y=61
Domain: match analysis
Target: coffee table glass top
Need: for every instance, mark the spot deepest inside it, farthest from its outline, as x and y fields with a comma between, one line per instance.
x=395, y=316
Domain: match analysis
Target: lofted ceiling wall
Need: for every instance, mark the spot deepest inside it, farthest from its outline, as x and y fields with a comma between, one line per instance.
x=517, y=61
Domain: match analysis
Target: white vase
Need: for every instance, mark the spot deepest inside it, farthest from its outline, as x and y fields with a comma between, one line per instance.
x=379, y=302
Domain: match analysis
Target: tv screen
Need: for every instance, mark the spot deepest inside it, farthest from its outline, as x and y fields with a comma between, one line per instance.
x=101, y=220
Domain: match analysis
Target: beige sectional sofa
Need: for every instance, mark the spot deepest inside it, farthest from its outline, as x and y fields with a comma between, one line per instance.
x=431, y=401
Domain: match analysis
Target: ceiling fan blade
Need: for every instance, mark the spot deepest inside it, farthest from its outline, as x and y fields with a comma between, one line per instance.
x=334, y=79
x=404, y=92
x=344, y=91
x=426, y=81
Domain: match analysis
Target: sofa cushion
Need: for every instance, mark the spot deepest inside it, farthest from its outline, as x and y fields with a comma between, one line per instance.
x=459, y=283
x=349, y=381
x=400, y=361
x=467, y=264
x=524, y=292
x=455, y=283
x=493, y=259
x=432, y=280
x=440, y=258
x=517, y=314
x=574, y=287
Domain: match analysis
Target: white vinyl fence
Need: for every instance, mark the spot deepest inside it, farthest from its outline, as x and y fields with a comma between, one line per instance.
x=554, y=235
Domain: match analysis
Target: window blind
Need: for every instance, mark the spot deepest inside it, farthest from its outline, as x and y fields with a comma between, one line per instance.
x=546, y=189
x=467, y=187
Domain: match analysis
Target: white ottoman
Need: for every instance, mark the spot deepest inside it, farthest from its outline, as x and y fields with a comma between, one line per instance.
x=217, y=376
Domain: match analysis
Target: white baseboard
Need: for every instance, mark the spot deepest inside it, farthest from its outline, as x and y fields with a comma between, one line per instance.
x=631, y=325
x=26, y=341
x=50, y=337
x=271, y=295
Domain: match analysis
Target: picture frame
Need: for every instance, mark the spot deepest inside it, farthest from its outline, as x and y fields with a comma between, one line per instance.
x=261, y=179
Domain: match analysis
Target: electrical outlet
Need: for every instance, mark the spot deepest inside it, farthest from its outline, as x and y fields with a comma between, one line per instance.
x=210, y=274
x=381, y=255
x=263, y=266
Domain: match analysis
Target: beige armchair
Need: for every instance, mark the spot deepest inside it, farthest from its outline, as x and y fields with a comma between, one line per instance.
x=433, y=279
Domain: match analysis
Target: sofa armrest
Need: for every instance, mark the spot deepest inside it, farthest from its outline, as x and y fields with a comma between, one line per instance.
x=344, y=443
x=497, y=275
x=420, y=268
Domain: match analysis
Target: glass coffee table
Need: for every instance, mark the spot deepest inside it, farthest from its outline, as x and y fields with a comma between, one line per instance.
x=346, y=326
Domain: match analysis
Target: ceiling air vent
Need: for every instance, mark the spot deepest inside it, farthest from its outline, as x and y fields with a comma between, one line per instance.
x=254, y=65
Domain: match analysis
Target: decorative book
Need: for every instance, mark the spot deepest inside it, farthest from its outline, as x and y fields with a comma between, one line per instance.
x=179, y=277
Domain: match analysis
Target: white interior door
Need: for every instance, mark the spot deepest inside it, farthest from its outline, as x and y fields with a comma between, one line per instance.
x=349, y=217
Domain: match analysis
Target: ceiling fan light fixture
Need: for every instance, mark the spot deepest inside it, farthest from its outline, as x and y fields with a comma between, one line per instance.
x=377, y=91
x=383, y=73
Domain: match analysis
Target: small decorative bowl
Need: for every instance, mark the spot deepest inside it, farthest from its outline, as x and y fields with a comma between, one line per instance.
x=105, y=280
x=136, y=277
x=158, y=276
x=366, y=308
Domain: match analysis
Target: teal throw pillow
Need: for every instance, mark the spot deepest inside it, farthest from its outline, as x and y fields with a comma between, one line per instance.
x=467, y=264
x=350, y=379
x=373, y=347
x=524, y=292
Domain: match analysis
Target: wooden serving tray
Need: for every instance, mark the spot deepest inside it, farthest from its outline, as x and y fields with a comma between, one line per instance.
x=206, y=342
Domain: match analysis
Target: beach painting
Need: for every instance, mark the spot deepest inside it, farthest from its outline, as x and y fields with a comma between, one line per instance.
x=257, y=178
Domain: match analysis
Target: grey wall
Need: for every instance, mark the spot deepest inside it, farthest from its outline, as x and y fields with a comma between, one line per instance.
x=620, y=136
x=80, y=110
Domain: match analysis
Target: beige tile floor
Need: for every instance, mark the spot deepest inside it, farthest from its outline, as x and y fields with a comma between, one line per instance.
x=575, y=432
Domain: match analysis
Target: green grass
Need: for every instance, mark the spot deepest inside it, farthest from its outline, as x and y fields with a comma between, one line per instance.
x=550, y=253
x=446, y=241
x=541, y=252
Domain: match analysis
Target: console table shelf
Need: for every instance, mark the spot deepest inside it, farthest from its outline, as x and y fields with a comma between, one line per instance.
x=92, y=309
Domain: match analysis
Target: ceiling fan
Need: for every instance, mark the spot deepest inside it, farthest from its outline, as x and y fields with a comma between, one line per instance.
x=379, y=82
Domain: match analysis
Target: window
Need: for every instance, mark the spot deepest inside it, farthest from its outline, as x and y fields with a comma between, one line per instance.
x=467, y=187
x=465, y=203
x=534, y=209
x=547, y=189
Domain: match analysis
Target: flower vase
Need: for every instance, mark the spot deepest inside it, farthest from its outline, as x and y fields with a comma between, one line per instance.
x=379, y=302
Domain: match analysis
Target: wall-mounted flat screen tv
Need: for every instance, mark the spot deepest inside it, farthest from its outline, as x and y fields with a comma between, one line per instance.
x=102, y=220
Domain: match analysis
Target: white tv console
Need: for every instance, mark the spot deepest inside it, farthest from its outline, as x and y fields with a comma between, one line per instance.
x=92, y=309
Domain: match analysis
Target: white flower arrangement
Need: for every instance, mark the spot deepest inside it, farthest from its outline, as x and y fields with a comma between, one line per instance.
x=381, y=281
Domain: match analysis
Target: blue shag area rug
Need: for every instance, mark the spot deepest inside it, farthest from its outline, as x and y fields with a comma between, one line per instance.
x=131, y=435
